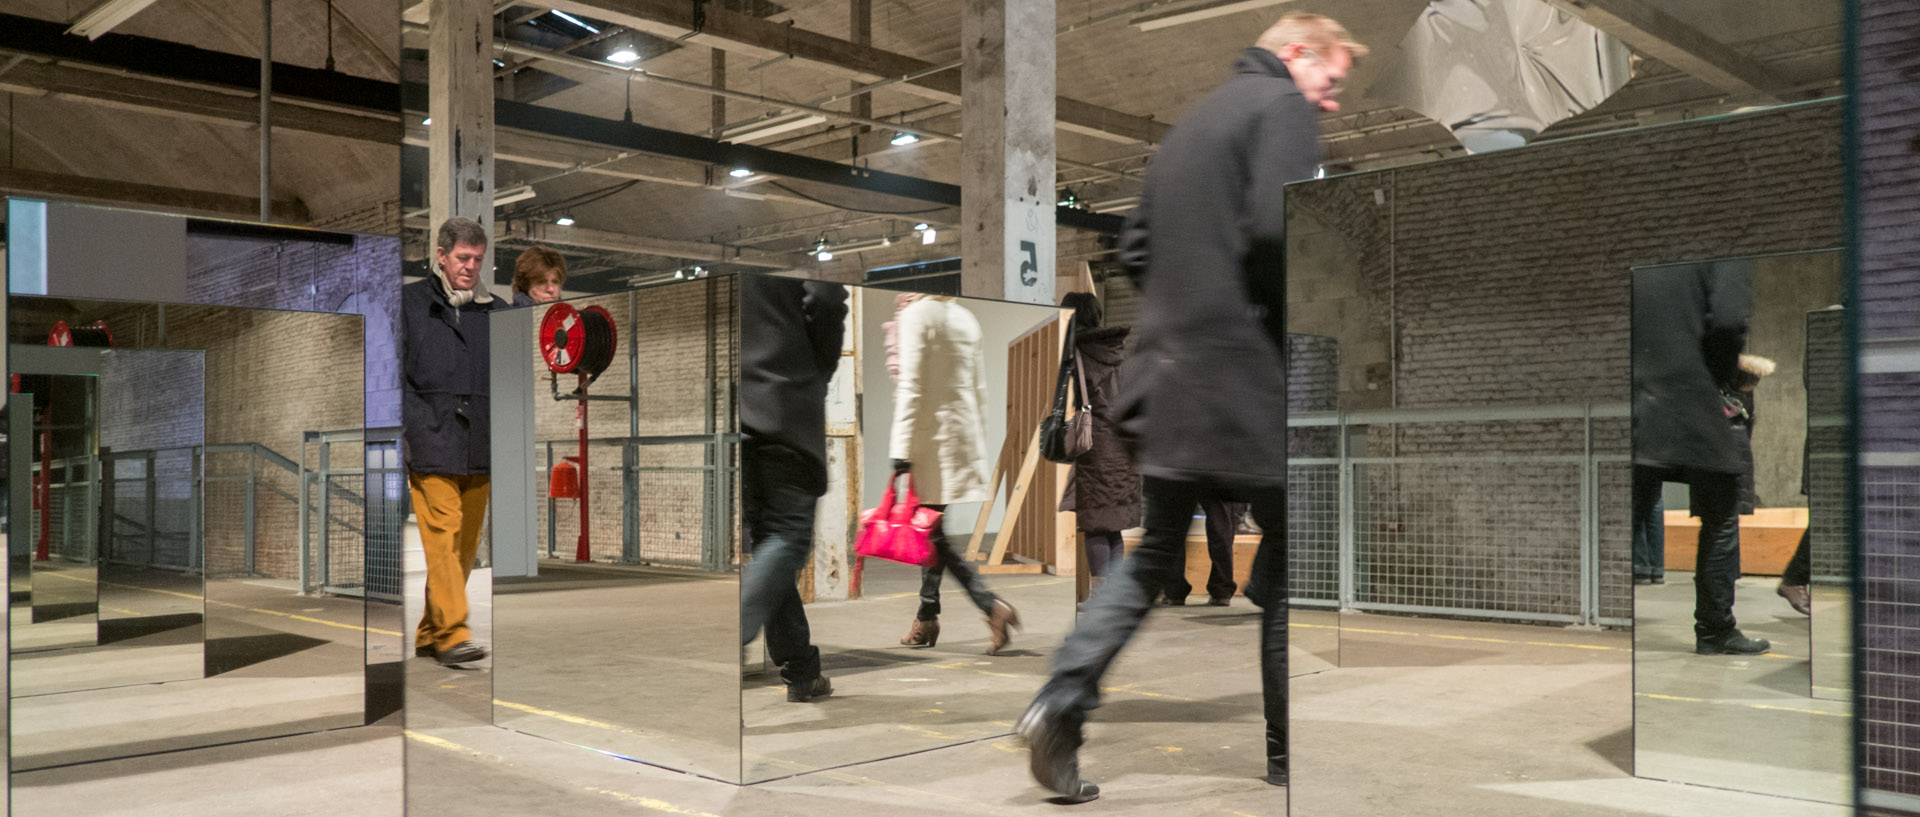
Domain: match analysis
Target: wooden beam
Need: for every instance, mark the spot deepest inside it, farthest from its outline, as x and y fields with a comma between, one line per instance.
x=608, y=241
x=128, y=92
x=764, y=39
x=1653, y=32
x=114, y=191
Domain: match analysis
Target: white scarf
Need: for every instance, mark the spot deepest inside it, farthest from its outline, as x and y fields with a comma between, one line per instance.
x=462, y=297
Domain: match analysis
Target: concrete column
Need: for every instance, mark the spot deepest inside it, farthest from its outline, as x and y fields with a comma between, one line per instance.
x=860, y=33
x=717, y=77
x=1007, y=174
x=460, y=103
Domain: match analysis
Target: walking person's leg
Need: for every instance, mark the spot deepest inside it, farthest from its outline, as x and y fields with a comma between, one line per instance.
x=1052, y=724
x=1223, y=519
x=1715, y=497
x=1267, y=587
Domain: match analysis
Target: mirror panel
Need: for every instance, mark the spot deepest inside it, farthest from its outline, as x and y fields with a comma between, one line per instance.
x=1737, y=403
x=585, y=651
x=194, y=485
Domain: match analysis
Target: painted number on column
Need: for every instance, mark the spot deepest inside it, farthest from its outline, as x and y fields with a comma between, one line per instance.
x=1030, y=266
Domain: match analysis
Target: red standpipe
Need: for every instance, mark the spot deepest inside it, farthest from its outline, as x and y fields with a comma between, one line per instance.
x=45, y=492
x=583, y=554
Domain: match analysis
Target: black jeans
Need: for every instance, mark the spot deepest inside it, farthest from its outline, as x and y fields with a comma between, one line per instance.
x=778, y=514
x=1715, y=498
x=1800, y=568
x=1113, y=614
x=948, y=560
x=1223, y=518
x=1104, y=549
x=1649, y=525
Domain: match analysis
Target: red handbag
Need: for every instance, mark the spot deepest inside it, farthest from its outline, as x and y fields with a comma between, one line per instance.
x=899, y=532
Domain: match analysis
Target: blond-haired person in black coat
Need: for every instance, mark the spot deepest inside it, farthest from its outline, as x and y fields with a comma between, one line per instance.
x=1206, y=248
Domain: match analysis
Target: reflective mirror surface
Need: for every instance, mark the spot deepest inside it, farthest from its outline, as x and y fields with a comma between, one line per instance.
x=620, y=635
x=198, y=409
x=1738, y=403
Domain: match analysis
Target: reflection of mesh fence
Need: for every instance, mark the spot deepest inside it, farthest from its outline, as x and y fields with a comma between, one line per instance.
x=149, y=501
x=70, y=532
x=1472, y=538
x=1313, y=533
x=1825, y=477
x=650, y=503
x=252, y=513
x=386, y=511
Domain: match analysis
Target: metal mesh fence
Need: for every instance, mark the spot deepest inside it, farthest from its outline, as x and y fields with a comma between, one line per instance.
x=70, y=534
x=1614, y=525
x=149, y=501
x=1889, y=524
x=1478, y=538
x=386, y=511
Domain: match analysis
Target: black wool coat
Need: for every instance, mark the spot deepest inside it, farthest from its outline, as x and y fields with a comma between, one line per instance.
x=1205, y=393
x=1103, y=490
x=790, y=336
x=444, y=408
x=1689, y=327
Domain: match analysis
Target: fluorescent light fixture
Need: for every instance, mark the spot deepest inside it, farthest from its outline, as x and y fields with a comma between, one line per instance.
x=625, y=56
x=513, y=194
x=499, y=64
x=427, y=121
x=104, y=16
x=1222, y=8
x=739, y=172
x=575, y=20
x=771, y=126
x=742, y=194
x=904, y=139
x=928, y=236
x=921, y=226
x=564, y=221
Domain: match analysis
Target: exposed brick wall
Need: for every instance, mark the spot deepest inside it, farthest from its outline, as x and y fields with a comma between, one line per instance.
x=674, y=326
x=1887, y=62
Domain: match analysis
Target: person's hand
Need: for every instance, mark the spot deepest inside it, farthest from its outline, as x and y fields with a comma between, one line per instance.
x=901, y=467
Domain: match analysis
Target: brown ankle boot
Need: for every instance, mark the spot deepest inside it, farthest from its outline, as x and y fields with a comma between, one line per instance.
x=999, y=621
x=923, y=634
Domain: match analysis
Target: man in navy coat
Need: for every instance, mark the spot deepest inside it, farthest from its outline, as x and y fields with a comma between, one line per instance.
x=444, y=412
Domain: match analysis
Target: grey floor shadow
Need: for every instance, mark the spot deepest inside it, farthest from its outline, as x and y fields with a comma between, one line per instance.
x=229, y=654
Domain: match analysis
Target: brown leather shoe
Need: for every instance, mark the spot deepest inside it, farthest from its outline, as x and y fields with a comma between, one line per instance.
x=999, y=621
x=1797, y=595
x=923, y=634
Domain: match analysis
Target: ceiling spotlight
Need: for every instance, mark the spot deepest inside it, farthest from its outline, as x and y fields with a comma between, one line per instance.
x=427, y=121
x=921, y=226
x=927, y=236
x=820, y=250
x=886, y=241
x=904, y=139
x=625, y=56
x=824, y=255
x=1068, y=199
x=564, y=221
x=739, y=172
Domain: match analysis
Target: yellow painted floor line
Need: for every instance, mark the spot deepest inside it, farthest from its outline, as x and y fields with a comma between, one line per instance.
x=649, y=803
x=1769, y=707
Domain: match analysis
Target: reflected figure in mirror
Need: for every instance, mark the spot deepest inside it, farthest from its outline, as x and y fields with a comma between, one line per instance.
x=791, y=333
x=446, y=440
x=1103, y=488
x=1689, y=328
x=538, y=275
x=1207, y=248
x=939, y=438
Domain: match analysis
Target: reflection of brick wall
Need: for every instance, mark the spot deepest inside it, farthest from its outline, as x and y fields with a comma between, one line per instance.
x=673, y=328
x=1888, y=102
x=1507, y=280
x=270, y=377
x=361, y=278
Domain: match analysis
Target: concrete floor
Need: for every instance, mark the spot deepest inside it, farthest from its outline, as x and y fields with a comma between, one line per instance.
x=1751, y=722
x=1423, y=717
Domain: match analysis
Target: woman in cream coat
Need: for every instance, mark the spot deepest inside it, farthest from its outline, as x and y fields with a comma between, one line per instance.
x=939, y=436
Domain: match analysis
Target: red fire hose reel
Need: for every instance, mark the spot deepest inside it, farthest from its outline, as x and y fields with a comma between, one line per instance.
x=579, y=342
